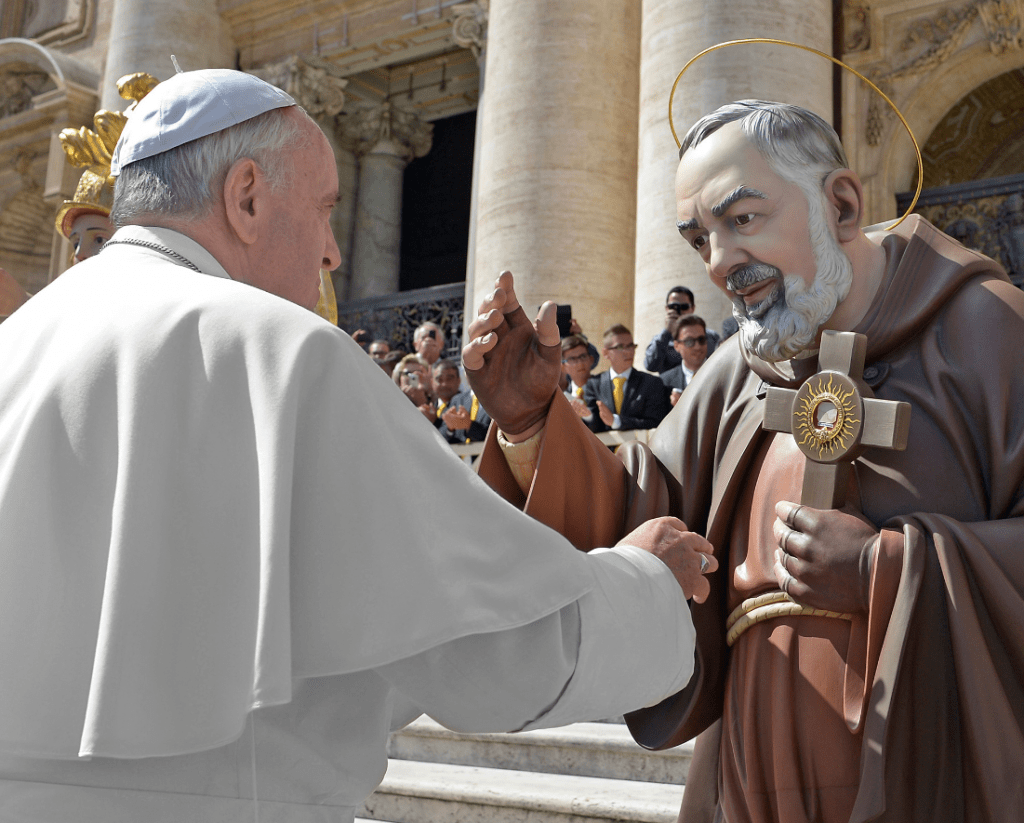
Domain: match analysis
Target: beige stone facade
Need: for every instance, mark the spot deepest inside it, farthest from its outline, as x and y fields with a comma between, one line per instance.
x=574, y=159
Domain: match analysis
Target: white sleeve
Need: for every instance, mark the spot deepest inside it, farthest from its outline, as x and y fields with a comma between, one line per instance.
x=628, y=643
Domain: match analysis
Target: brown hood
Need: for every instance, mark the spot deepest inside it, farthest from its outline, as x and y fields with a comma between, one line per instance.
x=924, y=267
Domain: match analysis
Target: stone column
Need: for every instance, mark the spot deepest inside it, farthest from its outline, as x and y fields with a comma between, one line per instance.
x=319, y=88
x=389, y=138
x=469, y=29
x=557, y=183
x=144, y=34
x=669, y=39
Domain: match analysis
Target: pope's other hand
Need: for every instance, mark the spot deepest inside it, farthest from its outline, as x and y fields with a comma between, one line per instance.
x=668, y=539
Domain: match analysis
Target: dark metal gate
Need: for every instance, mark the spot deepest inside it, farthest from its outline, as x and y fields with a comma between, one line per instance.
x=985, y=215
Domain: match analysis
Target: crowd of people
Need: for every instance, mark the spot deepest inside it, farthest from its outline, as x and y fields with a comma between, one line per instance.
x=432, y=383
x=623, y=398
x=619, y=398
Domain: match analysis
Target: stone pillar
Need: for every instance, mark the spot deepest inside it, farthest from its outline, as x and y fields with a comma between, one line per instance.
x=389, y=138
x=144, y=34
x=669, y=40
x=557, y=183
x=318, y=86
x=469, y=29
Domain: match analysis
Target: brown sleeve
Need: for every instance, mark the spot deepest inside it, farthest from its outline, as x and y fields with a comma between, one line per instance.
x=580, y=488
x=867, y=633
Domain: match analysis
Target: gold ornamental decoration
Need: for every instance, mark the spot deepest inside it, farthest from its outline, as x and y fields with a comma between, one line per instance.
x=825, y=421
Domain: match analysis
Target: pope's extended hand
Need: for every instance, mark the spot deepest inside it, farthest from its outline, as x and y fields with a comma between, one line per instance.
x=824, y=557
x=668, y=539
x=512, y=364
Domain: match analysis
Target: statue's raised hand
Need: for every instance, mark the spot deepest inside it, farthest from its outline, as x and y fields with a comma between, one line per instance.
x=512, y=364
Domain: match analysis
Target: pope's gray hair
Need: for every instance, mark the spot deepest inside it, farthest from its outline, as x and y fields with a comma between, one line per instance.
x=183, y=182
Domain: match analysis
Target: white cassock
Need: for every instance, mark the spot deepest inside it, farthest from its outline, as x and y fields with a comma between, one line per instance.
x=232, y=553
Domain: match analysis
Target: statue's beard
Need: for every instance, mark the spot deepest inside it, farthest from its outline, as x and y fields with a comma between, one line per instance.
x=783, y=324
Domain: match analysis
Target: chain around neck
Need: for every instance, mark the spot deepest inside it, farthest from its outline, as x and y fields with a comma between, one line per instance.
x=131, y=241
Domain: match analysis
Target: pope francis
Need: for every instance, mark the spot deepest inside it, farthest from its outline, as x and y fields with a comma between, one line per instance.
x=204, y=615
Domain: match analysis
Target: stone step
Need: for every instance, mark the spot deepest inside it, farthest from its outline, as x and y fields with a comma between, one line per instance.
x=416, y=792
x=583, y=749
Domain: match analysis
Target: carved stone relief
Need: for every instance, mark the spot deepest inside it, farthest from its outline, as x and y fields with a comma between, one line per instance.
x=399, y=131
x=315, y=84
x=469, y=25
x=930, y=41
x=57, y=22
x=856, y=27
x=1003, y=21
x=19, y=83
x=26, y=223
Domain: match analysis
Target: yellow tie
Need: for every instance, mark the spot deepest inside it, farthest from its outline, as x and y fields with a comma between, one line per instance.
x=579, y=391
x=618, y=393
x=474, y=410
x=440, y=407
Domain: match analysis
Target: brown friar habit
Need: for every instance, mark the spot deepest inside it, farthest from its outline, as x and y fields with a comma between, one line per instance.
x=942, y=710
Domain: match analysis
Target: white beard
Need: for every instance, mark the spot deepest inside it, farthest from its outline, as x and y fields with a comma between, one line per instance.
x=783, y=324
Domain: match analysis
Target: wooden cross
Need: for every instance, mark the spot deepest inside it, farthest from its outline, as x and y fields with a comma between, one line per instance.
x=833, y=417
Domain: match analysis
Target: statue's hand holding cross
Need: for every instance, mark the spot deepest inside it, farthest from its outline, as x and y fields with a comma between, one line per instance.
x=824, y=557
x=834, y=417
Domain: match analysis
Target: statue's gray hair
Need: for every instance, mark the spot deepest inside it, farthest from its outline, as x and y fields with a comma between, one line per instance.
x=183, y=182
x=799, y=145
x=795, y=142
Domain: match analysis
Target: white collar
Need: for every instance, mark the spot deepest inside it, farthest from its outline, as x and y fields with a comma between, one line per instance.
x=175, y=241
x=613, y=374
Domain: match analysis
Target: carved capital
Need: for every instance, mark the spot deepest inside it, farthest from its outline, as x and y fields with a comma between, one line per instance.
x=18, y=85
x=388, y=129
x=1004, y=24
x=315, y=84
x=469, y=25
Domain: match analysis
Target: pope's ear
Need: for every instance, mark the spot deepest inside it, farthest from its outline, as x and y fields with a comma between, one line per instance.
x=243, y=188
x=843, y=190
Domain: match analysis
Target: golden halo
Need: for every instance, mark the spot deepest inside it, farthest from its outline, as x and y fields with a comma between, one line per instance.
x=841, y=64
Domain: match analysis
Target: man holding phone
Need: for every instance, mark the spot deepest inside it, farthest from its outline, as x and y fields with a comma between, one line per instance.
x=661, y=354
x=428, y=341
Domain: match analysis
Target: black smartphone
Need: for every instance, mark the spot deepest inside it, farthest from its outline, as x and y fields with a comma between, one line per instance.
x=564, y=320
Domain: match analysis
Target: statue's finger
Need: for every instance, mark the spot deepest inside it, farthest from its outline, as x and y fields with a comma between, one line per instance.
x=485, y=323
x=547, y=325
x=506, y=283
x=473, y=352
x=496, y=299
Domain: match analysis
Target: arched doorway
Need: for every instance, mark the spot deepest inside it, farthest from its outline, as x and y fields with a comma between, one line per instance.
x=974, y=172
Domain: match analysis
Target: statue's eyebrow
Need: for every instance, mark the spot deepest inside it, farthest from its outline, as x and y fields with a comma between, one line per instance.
x=687, y=225
x=739, y=193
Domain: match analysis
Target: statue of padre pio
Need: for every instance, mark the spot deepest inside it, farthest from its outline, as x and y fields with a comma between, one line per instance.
x=859, y=659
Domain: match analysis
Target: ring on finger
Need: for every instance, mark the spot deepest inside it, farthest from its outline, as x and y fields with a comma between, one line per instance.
x=704, y=564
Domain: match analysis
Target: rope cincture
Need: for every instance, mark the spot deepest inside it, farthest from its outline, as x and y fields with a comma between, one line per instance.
x=769, y=606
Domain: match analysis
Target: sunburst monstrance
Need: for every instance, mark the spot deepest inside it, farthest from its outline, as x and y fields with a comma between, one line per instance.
x=833, y=417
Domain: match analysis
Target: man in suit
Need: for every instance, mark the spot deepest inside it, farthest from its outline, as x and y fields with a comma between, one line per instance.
x=690, y=340
x=576, y=366
x=623, y=398
x=661, y=355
